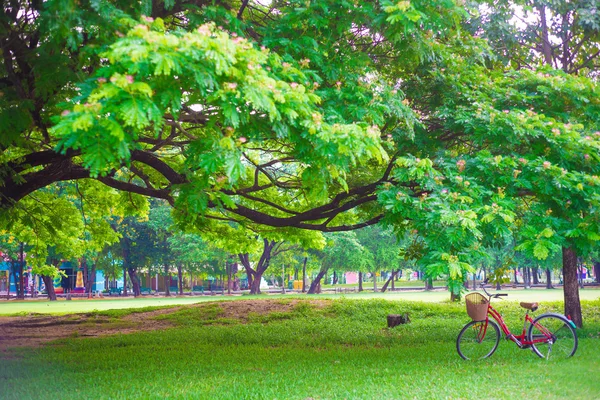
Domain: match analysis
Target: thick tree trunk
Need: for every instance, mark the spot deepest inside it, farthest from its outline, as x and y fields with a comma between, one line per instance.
x=167, y=278
x=527, y=277
x=549, y=279
x=15, y=280
x=126, y=244
x=534, y=275
x=21, y=277
x=229, y=267
x=515, y=273
x=255, y=286
x=360, y=281
x=398, y=271
x=428, y=283
x=571, y=287
x=34, y=280
x=304, y=275
x=316, y=284
x=92, y=278
x=125, y=281
x=546, y=43
x=261, y=266
x=180, y=278
x=85, y=276
x=135, y=281
x=335, y=278
x=249, y=276
x=250, y=273
x=89, y=277
x=49, y=283
x=597, y=271
x=283, y=279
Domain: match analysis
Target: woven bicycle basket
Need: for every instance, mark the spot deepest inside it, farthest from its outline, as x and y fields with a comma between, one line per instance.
x=477, y=306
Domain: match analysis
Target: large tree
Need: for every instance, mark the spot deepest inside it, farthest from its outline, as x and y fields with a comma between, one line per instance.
x=294, y=114
x=562, y=35
x=129, y=104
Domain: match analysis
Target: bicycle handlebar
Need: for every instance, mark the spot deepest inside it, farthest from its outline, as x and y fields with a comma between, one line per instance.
x=493, y=295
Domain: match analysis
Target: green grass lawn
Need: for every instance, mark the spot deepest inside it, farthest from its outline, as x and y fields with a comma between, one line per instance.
x=341, y=351
x=84, y=305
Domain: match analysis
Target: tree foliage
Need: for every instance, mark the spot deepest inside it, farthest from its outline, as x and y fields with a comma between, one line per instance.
x=325, y=116
x=532, y=33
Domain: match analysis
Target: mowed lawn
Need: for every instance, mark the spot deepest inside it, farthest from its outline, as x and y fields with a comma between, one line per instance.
x=288, y=348
x=79, y=305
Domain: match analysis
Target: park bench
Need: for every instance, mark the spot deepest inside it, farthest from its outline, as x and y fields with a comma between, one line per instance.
x=145, y=290
x=117, y=291
x=198, y=289
x=216, y=289
x=173, y=289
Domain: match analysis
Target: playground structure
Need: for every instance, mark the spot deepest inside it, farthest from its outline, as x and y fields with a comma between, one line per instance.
x=11, y=280
x=71, y=281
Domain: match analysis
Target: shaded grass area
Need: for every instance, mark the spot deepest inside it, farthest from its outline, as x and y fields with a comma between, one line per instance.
x=338, y=349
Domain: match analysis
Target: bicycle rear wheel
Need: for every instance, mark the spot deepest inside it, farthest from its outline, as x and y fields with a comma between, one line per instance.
x=478, y=340
x=556, y=337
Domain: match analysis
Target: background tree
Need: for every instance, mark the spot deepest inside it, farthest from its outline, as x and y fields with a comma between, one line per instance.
x=13, y=253
x=194, y=256
x=343, y=252
x=560, y=35
x=532, y=33
x=384, y=249
x=54, y=231
x=161, y=226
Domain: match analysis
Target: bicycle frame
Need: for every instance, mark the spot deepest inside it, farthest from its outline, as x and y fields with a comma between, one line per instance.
x=519, y=340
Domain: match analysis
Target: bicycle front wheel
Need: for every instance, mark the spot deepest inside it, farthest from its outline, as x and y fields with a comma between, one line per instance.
x=478, y=340
x=553, y=337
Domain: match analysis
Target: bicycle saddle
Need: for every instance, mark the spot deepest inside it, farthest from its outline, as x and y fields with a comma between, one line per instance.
x=530, y=306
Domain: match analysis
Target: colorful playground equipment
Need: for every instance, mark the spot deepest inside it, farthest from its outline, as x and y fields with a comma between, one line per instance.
x=72, y=282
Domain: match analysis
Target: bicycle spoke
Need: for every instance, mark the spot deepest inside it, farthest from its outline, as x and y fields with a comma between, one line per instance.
x=478, y=340
x=559, y=339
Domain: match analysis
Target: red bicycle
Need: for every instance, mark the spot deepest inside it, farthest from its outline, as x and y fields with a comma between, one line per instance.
x=550, y=336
